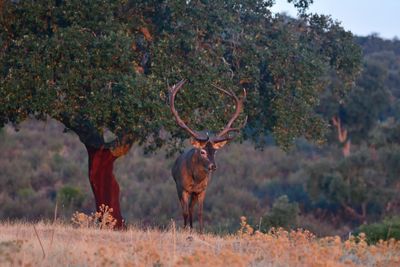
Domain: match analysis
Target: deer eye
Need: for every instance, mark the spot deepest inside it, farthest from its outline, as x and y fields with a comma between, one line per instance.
x=203, y=152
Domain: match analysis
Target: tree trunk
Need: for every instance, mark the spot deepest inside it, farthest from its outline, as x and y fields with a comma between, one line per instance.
x=342, y=136
x=104, y=185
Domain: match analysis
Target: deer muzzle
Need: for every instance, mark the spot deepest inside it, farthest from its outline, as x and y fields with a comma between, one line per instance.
x=212, y=167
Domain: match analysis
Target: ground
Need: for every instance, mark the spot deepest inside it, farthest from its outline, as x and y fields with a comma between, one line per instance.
x=58, y=244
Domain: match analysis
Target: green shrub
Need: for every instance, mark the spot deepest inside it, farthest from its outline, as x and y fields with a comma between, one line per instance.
x=70, y=196
x=387, y=229
x=282, y=214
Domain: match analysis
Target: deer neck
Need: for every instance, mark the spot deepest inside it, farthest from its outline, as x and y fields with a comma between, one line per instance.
x=199, y=172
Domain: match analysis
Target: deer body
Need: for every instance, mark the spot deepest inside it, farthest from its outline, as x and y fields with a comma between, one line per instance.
x=189, y=174
x=192, y=169
x=191, y=180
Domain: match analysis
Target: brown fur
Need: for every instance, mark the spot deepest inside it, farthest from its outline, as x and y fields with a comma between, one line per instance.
x=192, y=173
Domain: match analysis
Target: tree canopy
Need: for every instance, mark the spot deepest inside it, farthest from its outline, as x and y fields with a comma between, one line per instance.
x=106, y=65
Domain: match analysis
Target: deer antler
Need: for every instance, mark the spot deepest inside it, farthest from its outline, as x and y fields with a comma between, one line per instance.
x=172, y=93
x=224, y=134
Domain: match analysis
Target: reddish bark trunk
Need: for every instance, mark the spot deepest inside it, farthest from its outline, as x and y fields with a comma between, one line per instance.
x=104, y=185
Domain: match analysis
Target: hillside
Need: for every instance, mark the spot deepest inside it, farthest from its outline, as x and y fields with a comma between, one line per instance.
x=42, y=166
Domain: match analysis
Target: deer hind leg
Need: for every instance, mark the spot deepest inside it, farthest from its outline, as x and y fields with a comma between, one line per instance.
x=193, y=201
x=200, y=198
x=184, y=199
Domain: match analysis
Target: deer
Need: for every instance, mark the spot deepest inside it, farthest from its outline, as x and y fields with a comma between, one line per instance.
x=192, y=169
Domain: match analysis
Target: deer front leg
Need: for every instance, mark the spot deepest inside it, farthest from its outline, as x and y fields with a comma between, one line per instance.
x=185, y=206
x=193, y=201
x=200, y=198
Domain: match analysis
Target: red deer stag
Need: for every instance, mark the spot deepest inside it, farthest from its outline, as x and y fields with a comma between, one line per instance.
x=192, y=169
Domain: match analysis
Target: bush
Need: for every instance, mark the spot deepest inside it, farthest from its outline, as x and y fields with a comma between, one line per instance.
x=385, y=230
x=70, y=196
x=283, y=214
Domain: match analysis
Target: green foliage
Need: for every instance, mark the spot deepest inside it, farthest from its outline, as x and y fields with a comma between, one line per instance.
x=385, y=230
x=75, y=63
x=355, y=184
x=375, y=97
x=364, y=185
x=106, y=65
x=366, y=104
x=291, y=98
x=302, y=5
x=70, y=196
x=282, y=214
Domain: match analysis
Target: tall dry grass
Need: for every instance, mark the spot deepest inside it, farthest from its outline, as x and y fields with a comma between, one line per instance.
x=46, y=244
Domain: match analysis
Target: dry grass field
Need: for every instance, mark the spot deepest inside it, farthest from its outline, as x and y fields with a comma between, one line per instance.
x=47, y=244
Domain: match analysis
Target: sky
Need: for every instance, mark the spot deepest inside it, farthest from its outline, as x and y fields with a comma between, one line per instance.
x=362, y=17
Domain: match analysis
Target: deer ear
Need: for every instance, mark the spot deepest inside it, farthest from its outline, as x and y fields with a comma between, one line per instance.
x=219, y=144
x=198, y=144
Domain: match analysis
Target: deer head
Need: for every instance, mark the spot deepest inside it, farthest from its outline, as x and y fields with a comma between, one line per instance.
x=206, y=145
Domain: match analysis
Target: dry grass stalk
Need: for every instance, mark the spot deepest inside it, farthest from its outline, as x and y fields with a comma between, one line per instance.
x=40, y=242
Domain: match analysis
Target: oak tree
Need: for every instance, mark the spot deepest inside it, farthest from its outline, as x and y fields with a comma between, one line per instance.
x=103, y=68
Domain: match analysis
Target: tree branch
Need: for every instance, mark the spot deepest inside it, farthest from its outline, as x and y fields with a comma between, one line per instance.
x=121, y=145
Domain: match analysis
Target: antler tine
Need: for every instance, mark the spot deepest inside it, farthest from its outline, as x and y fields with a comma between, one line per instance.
x=227, y=137
x=172, y=93
x=239, y=108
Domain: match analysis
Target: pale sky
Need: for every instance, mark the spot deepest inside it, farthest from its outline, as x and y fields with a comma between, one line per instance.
x=362, y=17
